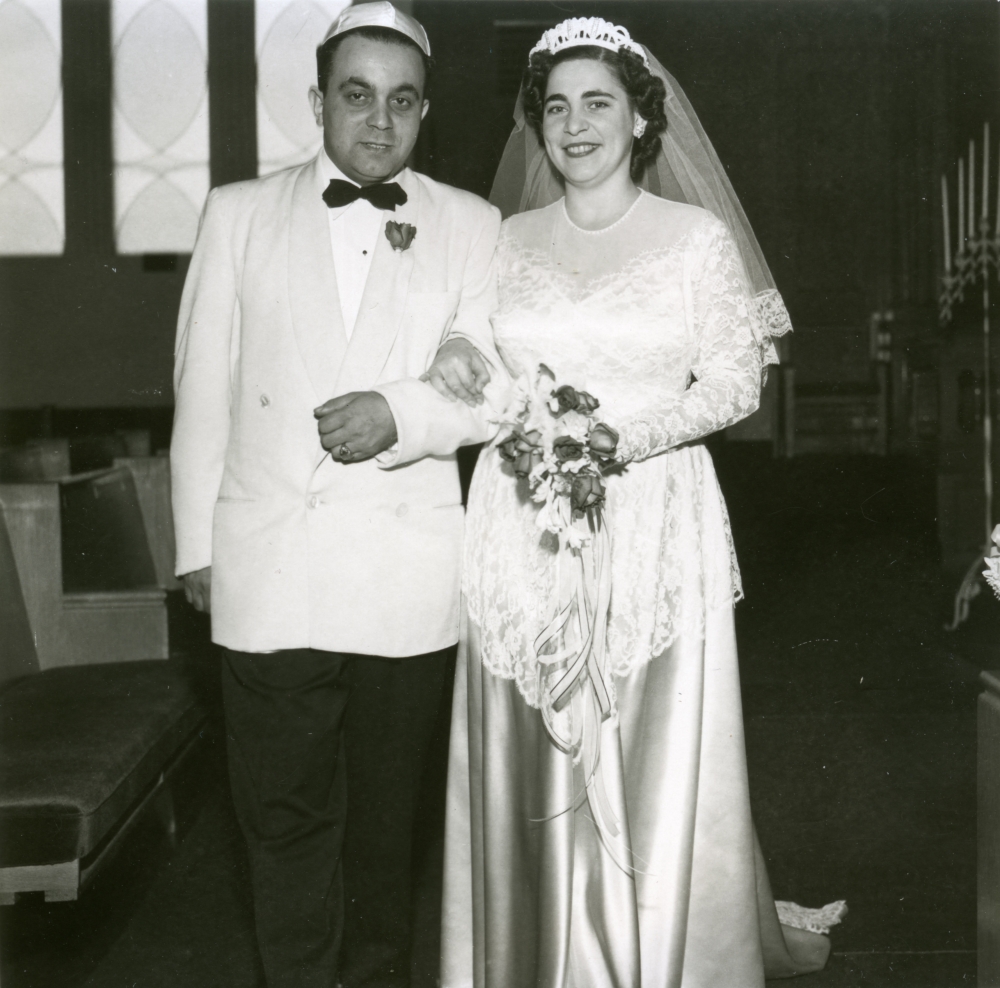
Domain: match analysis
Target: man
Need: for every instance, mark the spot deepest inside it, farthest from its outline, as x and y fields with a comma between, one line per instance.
x=317, y=500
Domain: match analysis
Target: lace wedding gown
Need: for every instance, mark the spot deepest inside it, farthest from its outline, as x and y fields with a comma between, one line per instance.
x=653, y=316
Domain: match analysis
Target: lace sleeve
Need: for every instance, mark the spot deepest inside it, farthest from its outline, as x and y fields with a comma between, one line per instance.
x=729, y=356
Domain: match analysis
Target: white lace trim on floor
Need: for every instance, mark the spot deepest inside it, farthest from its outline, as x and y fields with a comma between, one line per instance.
x=813, y=920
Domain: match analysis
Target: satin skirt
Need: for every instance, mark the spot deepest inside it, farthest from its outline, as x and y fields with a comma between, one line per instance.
x=532, y=898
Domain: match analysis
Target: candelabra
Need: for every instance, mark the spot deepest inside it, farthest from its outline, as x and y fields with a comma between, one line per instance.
x=977, y=252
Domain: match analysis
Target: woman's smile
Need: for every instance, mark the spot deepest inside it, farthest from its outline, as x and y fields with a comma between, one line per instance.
x=580, y=149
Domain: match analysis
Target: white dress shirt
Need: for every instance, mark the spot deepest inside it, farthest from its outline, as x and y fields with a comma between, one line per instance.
x=354, y=232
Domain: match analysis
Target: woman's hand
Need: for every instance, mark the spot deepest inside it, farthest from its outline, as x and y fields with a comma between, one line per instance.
x=458, y=371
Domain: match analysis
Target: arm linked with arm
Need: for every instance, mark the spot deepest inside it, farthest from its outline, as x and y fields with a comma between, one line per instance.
x=728, y=362
x=202, y=386
x=428, y=424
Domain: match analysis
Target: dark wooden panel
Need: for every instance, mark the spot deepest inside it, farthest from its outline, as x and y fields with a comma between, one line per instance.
x=988, y=841
x=17, y=646
x=834, y=177
x=87, y=127
x=832, y=119
x=104, y=544
x=232, y=84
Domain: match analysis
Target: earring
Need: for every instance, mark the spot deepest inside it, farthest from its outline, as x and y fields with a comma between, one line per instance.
x=639, y=128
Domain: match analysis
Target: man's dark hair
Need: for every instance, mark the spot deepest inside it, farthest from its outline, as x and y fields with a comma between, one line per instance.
x=646, y=93
x=326, y=51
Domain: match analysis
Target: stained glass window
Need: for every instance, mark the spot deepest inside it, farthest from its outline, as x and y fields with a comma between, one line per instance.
x=288, y=32
x=160, y=123
x=32, y=196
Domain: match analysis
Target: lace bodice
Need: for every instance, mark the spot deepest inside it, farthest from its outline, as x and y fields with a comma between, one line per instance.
x=654, y=317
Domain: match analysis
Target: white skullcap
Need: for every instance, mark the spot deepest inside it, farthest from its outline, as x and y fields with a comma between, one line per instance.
x=381, y=14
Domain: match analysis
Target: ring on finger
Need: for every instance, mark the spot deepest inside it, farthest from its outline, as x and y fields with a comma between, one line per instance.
x=344, y=451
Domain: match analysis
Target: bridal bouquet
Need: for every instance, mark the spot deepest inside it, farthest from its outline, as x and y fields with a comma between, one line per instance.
x=564, y=452
x=559, y=446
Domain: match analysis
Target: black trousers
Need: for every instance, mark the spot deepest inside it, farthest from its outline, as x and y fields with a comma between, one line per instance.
x=327, y=761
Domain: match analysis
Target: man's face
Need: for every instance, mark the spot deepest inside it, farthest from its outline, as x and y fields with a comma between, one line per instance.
x=372, y=108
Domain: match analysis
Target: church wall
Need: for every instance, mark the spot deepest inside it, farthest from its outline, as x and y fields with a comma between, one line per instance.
x=834, y=120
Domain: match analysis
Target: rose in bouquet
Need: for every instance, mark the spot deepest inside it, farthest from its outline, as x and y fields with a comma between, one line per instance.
x=556, y=442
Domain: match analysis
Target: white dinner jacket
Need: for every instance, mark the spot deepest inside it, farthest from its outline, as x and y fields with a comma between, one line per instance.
x=305, y=551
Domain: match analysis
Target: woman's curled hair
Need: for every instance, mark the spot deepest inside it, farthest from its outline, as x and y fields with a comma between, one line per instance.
x=646, y=93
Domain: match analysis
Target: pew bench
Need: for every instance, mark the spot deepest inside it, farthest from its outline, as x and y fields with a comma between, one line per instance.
x=86, y=747
x=88, y=571
x=85, y=751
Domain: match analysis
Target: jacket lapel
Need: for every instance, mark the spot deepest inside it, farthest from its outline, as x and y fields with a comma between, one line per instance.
x=384, y=301
x=312, y=286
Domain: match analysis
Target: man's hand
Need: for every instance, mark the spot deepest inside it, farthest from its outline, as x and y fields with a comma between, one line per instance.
x=198, y=589
x=458, y=371
x=356, y=426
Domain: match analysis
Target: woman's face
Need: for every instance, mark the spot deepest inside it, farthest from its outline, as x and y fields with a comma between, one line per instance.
x=587, y=122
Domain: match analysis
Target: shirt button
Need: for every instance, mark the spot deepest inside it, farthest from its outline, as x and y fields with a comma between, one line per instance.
x=401, y=510
x=313, y=501
x=265, y=401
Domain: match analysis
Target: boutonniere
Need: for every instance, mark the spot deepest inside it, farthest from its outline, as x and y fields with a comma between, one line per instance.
x=400, y=235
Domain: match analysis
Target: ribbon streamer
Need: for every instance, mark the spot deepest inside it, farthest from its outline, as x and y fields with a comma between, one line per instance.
x=583, y=685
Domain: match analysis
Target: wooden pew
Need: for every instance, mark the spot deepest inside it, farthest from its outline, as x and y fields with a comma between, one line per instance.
x=152, y=483
x=88, y=577
x=85, y=750
x=38, y=460
x=988, y=850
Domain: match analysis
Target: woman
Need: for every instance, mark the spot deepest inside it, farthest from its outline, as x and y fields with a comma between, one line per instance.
x=648, y=305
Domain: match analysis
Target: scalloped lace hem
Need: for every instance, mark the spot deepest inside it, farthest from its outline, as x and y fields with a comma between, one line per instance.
x=504, y=664
x=813, y=920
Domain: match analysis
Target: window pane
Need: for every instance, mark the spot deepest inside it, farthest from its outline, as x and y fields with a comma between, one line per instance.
x=32, y=197
x=160, y=123
x=288, y=32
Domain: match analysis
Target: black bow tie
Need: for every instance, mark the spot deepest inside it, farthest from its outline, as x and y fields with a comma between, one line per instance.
x=386, y=195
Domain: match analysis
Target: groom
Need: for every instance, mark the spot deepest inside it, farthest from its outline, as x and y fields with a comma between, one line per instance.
x=317, y=501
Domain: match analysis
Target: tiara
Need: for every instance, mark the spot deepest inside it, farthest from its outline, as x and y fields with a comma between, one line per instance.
x=588, y=31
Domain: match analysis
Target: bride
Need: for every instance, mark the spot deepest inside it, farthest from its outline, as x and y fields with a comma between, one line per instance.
x=638, y=866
